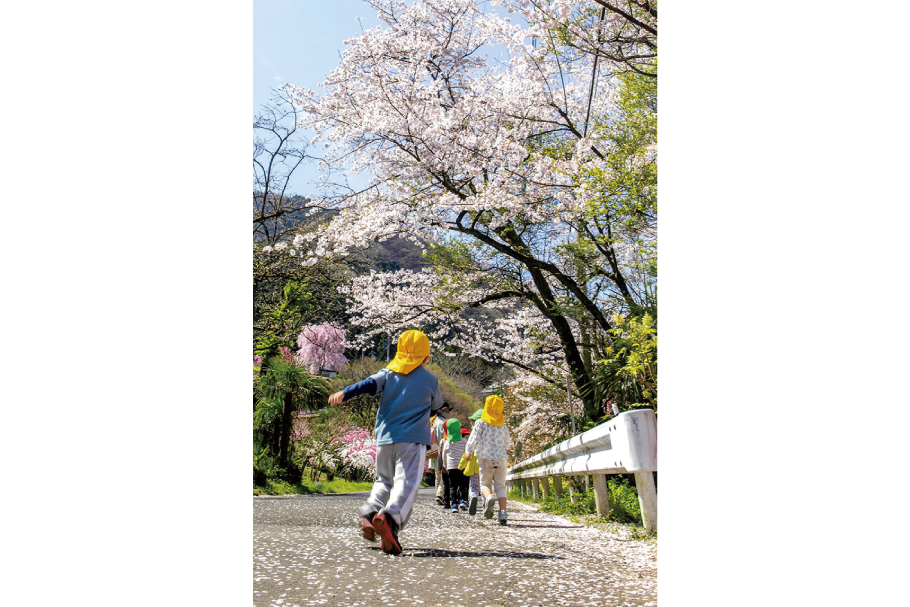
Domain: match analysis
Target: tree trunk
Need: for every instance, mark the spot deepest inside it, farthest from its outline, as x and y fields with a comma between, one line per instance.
x=287, y=419
x=570, y=346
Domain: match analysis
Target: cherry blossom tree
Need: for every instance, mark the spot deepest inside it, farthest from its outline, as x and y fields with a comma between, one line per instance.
x=541, y=411
x=321, y=347
x=516, y=172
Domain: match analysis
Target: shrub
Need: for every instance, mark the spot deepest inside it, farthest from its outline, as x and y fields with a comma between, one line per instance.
x=624, y=506
x=280, y=487
x=263, y=465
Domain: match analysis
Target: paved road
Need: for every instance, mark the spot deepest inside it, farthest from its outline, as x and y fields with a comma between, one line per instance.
x=307, y=550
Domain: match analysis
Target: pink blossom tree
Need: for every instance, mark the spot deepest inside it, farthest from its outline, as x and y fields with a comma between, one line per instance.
x=358, y=453
x=321, y=347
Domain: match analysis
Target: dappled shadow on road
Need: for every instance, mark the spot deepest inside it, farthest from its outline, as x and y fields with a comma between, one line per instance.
x=322, y=496
x=434, y=552
x=512, y=524
x=523, y=523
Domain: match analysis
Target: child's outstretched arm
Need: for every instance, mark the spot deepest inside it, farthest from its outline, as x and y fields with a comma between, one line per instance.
x=372, y=385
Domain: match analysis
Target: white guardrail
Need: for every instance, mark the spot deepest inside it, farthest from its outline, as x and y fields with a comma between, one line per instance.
x=627, y=444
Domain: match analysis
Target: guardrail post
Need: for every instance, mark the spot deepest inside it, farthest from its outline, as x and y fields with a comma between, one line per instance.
x=573, y=489
x=535, y=488
x=647, y=498
x=557, y=486
x=601, y=495
x=545, y=485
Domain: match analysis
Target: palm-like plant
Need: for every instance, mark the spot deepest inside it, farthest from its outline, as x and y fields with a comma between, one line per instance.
x=282, y=389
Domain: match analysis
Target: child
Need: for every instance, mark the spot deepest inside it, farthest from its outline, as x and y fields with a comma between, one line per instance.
x=450, y=452
x=474, y=479
x=442, y=491
x=410, y=394
x=470, y=480
x=489, y=440
x=436, y=437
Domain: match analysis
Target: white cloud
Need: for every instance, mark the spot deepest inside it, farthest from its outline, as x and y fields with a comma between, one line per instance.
x=262, y=58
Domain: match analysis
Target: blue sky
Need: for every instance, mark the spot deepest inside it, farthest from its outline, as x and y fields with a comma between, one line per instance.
x=297, y=42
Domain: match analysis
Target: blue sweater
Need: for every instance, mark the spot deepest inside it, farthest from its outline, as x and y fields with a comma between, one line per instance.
x=406, y=405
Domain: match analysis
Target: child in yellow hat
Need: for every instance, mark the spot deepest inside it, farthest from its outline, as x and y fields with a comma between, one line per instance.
x=489, y=440
x=410, y=395
x=474, y=480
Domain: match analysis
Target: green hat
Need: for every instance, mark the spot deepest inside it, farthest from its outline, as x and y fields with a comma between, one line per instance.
x=453, y=426
x=476, y=415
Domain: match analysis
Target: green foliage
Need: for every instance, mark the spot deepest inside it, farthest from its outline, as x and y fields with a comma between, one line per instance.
x=283, y=322
x=628, y=373
x=628, y=190
x=280, y=487
x=263, y=465
x=624, y=506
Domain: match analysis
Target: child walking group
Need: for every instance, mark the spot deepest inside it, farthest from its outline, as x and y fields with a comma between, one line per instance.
x=413, y=418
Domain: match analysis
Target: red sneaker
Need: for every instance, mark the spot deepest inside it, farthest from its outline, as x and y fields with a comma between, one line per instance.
x=369, y=532
x=387, y=529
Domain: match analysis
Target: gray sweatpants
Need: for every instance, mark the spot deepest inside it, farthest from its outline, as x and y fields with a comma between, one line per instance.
x=399, y=468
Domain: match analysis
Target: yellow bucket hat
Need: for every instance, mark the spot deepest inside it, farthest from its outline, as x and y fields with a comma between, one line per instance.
x=413, y=347
x=492, y=411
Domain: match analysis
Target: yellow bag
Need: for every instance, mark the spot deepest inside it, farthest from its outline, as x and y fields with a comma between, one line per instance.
x=470, y=467
x=473, y=467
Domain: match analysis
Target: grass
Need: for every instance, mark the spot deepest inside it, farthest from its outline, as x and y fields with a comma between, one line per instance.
x=308, y=487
